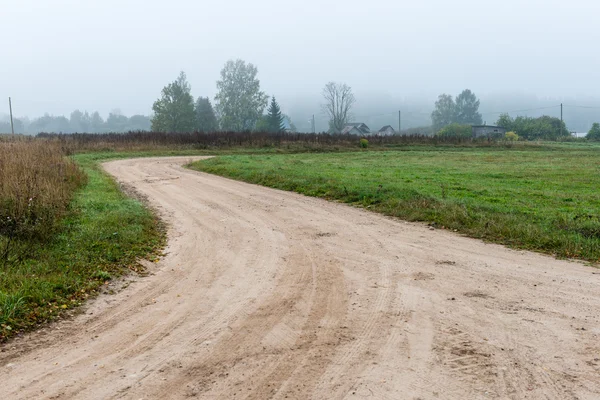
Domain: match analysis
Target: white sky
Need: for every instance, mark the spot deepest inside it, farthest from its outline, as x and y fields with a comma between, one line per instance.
x=58, y=55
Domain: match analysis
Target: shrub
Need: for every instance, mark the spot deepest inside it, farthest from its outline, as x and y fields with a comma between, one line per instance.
x=456, y=131
x=364, y=143
x=594, y=133
x=511, y=136
x=529, y=128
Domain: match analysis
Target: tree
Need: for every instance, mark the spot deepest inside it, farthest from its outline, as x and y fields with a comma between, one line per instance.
x=116, y=122
x=528, y=128
x=96, y=123
x=275, y=118
x=467, y=108
x=174, y=110
x=239, y=101
x=79, y=122
x=339, y=100
x=505, y=121
x=206, y=121
x=444, y=112
x=139, y=123
x=594, y=133
x=262, y=125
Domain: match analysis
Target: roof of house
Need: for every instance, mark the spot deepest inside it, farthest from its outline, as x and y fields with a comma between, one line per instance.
x=348, y=128
x=355, y=124
x=487, y=126
x=359, y=125
x=385, y=128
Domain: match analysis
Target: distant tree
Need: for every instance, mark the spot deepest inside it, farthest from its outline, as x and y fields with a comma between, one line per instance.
x=116, y=122
x=18, y=125
x=339, y=101
x=594, y=133
x=444, y=112
x=79, y=122
x=239, y=100
x=274, y=117
x=528, y=128
x=505, y=121
x=206, y=121
x=174, y=110
x=50, y=124
x=139, y=123
x=262, y=125
x=96, y=123
x=467, y=108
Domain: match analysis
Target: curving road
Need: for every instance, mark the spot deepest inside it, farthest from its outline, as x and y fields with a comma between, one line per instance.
x=268, y=294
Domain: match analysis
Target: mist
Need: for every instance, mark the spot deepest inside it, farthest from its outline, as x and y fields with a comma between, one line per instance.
x=65, y=55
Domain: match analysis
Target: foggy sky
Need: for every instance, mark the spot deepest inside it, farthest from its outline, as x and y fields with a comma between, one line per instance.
x=59, y=55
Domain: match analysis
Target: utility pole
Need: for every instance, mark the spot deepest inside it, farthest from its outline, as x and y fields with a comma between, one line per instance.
x=313, y=124
x=12, y=127
x=561, y=119
x=399, y=121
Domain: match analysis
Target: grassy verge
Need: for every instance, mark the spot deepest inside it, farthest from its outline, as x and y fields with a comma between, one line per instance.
x=542, y=198
x=102, y=235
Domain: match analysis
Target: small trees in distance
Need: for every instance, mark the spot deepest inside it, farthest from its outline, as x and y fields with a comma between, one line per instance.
x=275, y=118
x=444, y=113
x=339, y=100
x=206, y=121
x=467, y=108
x=174, y=110
x=594, y=133
x=462, y=110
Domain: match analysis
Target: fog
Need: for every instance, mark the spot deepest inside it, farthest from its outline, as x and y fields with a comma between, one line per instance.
x=62, y=55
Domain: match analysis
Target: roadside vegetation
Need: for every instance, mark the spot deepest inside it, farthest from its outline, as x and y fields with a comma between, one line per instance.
x=542, y=198
x=66, y=229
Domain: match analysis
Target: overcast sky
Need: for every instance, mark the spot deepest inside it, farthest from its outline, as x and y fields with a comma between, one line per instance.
x=58, y=55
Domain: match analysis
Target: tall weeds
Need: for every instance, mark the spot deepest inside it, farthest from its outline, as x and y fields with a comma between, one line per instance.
x=37, y=183
x=141, y=141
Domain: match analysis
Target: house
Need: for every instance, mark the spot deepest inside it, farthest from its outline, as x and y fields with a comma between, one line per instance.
x=386, y=131
x=356, y=128
x=488, y=131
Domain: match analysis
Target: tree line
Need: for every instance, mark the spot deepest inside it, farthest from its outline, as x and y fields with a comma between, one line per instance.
x=79, y=122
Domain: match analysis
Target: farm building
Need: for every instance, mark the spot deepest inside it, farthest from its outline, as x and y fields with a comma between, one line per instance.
x=356, y=128
x=386, y=130
x=487, y=131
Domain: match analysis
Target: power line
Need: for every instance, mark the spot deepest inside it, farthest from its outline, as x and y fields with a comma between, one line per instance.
x=516, y=111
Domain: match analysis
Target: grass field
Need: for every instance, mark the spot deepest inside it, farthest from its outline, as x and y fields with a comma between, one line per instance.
x=543, y=198
x=103, y=233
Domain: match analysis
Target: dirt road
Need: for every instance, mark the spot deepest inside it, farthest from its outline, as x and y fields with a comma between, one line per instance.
x=267, y=294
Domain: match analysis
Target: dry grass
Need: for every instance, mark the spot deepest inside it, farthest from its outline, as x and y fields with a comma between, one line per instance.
x=37, y=183
x=217, y=141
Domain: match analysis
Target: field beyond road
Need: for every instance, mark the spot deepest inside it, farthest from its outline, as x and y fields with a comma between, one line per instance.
x=268, y=294
x=538, y=198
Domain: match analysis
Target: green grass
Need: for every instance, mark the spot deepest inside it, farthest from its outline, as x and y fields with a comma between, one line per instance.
x=103, y=235
x=544, y=198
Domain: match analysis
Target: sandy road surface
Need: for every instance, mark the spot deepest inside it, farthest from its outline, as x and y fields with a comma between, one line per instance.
x=268, y=294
